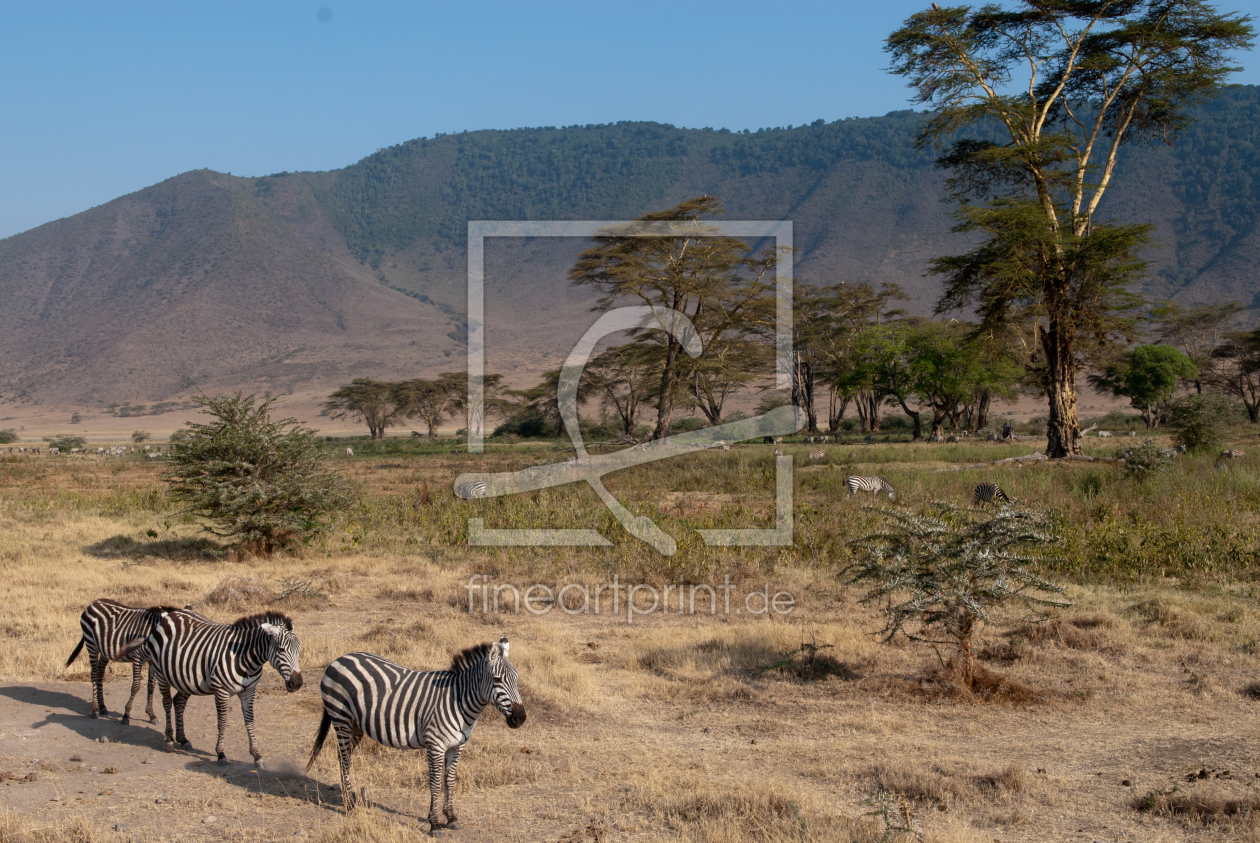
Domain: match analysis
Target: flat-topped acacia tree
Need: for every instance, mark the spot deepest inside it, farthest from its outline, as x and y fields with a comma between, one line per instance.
x=1052, y=89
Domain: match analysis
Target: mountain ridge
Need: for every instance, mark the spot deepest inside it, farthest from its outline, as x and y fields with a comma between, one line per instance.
x=301, y=281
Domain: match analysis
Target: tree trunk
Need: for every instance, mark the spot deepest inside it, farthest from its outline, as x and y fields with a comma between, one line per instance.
x=982, y=408
x=1253, y=411
x=1063, y=429
x=873, y=412
x=835, y=413
x=665, y=407
x=803, y=390
x=966, y=656
x=916, y=417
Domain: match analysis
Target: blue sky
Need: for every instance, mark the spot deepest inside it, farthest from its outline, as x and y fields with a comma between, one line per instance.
x=104, y=98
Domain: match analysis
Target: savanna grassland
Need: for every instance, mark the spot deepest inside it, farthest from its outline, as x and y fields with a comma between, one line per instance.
x=1128, y=716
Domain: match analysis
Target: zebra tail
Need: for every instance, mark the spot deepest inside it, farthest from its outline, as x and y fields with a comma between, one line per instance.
x=319, y=740
x=76, y=652
x=129, y=651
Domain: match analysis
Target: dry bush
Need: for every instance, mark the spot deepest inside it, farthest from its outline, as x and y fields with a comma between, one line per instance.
x=1176, y=622
x=1195, y=807
x=937, y=786
x=406, y=595
x=240, y=593
x=18, y=828
x=1075, y=632
x=695, y=807
x=986, y=686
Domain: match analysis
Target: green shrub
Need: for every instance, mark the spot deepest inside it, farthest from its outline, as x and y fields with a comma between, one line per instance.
x=8, y=436
x=65, y=442
x=265, y=484
x=1142, y=461
x=1200, y=420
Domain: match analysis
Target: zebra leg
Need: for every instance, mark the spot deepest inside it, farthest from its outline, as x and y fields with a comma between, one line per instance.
x=436, y=759
x=247, y=709
x=448, y=808
x=347, y=739
x=137, y=678
x=221, y=700
x=148, y=706
x=166, y=707
x=98, y=686
x=181, y=700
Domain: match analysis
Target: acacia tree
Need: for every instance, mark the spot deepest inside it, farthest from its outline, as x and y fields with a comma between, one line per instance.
x=1148, y=376
x=942, y=574
x=1237, y=370
x=713, y=280
x=266, y=484
x=621, y=378
x=372, y=401
x=1063, y=85
x=1198, y=330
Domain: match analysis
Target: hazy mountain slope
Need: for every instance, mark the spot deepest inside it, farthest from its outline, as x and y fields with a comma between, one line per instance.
x=210, y=281
x=194, y=282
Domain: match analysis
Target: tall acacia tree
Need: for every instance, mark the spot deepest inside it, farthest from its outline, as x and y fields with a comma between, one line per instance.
x=373, y=401
x=714, y=280
x=1062, y=84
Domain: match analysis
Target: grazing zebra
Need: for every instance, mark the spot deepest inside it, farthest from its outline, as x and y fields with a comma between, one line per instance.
x=198, y=657
x=349, y=452
x=874, y=485
x=1232, y=454
x=470, y=489
x=988, y=493
x=818, y=455
x=111, y=632
x=402, y=708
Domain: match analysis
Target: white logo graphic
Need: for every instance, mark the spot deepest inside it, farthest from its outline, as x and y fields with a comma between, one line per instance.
x=590, y=468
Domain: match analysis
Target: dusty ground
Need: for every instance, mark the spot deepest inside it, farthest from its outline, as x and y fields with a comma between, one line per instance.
x=1051, y=770
x=667, y=728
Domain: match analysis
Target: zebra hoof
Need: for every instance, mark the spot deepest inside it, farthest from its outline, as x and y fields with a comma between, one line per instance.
x=152, y=718
x=186, y=744
x=126, y=721
x=454, y=825
x=94, y=716
x=259, y=764
x=223, y=762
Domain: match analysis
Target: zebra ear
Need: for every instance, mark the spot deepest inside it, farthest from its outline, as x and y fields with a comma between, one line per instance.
x=270, y=629
x=503, y=647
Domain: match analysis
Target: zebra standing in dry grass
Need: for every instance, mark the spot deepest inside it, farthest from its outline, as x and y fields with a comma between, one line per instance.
x=111, y=632
x=403, y=708
x=989, y=493
x=874, y=485
x=471, y=489
x=198, y=657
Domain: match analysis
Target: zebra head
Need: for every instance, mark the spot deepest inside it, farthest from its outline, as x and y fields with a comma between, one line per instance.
x=504, y=694
x=284, y=653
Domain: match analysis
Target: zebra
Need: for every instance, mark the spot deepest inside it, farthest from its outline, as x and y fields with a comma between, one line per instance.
x=874, y=485
x=403, y=708
x=349, y=452
x=111, y=632
x=818, y=455
x=471, y=489
x=989, y=493
x=196, y=656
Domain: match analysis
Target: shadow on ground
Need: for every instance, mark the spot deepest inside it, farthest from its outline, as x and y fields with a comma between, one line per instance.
x=187, y=549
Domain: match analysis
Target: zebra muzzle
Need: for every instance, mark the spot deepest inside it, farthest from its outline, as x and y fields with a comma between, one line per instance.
x=517, y=717
x=293, y=682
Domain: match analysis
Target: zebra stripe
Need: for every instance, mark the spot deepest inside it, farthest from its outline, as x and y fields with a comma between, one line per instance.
x=470, y=489
x=365, y=694
x=111, y=632
x=874, y=485
x=818, y=455
x=989, y=493
x=198, y=657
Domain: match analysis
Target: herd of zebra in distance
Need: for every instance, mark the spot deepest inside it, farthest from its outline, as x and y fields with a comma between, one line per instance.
x=363, y=694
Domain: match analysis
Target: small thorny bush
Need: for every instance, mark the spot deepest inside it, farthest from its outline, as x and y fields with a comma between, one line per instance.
x=264, y=484
x=945, y=571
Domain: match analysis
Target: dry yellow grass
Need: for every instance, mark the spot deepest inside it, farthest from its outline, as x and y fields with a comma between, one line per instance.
x=669, y=728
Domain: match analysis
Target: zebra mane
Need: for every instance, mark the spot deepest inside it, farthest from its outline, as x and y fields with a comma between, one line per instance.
x=252, y=621
x=465, y=659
